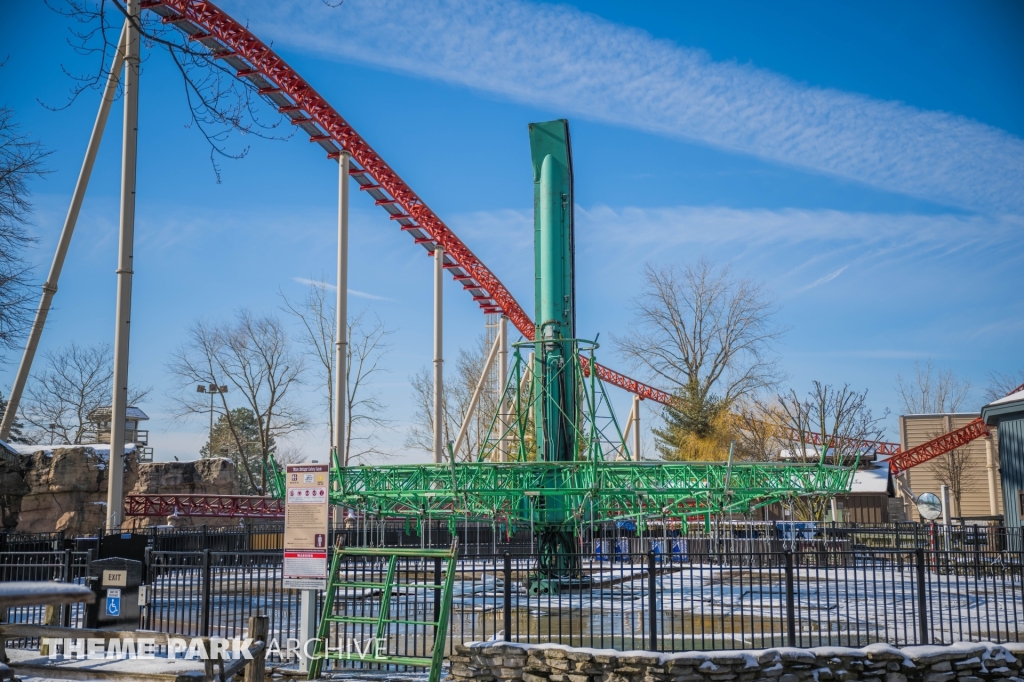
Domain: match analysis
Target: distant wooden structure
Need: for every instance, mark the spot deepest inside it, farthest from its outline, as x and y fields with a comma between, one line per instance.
x=99, y=422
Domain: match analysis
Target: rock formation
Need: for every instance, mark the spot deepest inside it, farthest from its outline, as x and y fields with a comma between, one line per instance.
x=65, y=488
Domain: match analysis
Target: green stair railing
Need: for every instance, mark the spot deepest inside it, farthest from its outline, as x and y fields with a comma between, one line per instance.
x=339, y=580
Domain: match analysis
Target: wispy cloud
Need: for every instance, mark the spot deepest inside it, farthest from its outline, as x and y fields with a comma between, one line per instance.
x=334, y=287
x=822, y=280
x=719, y=225
x=575, y=63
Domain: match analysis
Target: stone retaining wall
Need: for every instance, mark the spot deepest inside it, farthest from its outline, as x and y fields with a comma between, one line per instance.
x=967, y=662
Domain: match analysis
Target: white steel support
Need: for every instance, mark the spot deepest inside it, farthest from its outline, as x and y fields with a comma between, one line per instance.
x=636, y=428
x=50, y=286
x=126, y=248
x=502, y=380
x=632, y=428
x=438, y=354
x=475, y=398
x=944, y=492
x=625, y=434
x=340, y=437
x=990, y=457
x=307, y=628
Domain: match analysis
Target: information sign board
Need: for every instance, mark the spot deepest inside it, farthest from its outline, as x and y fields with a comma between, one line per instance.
x=305, y=526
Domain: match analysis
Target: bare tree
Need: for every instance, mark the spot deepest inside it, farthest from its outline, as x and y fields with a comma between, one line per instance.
x=707, y=335
x=367, y=346
x=931, y=390
x=253, y=356
x=74, y=381
x=365, y=409
x=956, y=470
x=759, y=430
x=219, y=102
x=458, y=391
x=318, y=319
x=1002, y=384
x=841, y=419
x=20, y=160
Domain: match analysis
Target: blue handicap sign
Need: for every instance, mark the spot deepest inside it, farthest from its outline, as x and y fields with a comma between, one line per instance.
x=114, y=603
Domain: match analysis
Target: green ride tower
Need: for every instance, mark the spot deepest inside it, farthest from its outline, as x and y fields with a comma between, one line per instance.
x=556, y=393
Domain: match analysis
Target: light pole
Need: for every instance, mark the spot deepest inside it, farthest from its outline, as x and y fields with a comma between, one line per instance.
x=212, y=389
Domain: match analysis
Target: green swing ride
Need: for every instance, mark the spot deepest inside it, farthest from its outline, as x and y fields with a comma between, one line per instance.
x=554, y=457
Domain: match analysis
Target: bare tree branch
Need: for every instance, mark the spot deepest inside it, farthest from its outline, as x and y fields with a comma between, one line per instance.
x=21, y=158
x=931, y=390
x=458, y=391
x=74, y=381
x=700, y=324
x=841, y=417
x=219, y=102
x=956, y=470
x=367, y=346
x=253, y=357
x=1002, y=384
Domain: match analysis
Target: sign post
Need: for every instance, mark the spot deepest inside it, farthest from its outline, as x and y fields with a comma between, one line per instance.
x=305, y=543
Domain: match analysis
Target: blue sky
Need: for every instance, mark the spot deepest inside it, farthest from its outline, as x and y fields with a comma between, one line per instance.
x=865, y=160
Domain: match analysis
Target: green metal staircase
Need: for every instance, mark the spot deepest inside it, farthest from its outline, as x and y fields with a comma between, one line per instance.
x=339, y=580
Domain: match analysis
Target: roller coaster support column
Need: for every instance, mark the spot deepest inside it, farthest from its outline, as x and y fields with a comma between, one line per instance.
x=122, y=330
x=502, y=380
x=438, y=354
x=50, y=286
x=990, y=461
x=636, y=428
x=341, y=332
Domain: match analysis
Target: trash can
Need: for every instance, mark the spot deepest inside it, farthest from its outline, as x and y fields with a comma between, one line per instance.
x=116, y=583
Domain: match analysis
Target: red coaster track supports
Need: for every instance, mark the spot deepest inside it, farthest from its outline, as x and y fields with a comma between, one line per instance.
x=938, y=446
x=216, y=506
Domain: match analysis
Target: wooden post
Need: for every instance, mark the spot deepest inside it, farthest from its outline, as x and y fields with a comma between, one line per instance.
x=51, y=616
x=259, y=627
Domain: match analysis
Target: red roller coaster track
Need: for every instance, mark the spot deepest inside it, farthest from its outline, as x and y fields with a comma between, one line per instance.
x=285, y=89
x=253, y=61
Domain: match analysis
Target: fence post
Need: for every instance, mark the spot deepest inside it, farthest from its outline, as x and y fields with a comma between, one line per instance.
x=507, y=607
x=652, y=601
x=204, y=617
x=922, y=599
x=65, y=618
x=790, y=601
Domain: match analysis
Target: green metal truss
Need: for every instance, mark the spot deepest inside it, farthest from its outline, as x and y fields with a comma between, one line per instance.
x=604, y=483
x=593, y=490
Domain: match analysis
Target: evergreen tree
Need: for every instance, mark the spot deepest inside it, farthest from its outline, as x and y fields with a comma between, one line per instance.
x=225, y=444
x=698, y=426
x=16, y=435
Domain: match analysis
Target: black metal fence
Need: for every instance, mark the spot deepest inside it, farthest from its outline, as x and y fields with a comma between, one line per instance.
x=719, y=591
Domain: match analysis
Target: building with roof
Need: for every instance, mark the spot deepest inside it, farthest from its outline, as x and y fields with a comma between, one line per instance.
x=99, y=422
x=978, y=468
x=1007, y=415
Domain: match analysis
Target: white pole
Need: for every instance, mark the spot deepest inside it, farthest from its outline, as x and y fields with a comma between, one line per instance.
x=944, y=490
x=126, y=248
x=50, y=286
x=625, y=434
x=502, y=380
x=475, y=398
x=636, y=428
x=307, y=628
x=438, y=354
x=341, y=333
x=993, y=499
